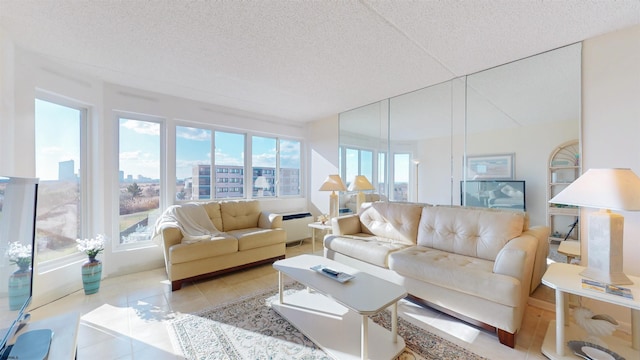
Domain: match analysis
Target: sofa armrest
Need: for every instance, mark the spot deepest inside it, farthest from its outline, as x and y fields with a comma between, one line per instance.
x=269, y=220
x=346, y=225
x=516, y=258
x=171, y=235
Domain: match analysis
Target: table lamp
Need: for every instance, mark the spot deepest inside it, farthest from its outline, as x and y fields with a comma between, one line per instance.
x=360, y=183
x=605, y=189
x=261, y=184
x=333, y=183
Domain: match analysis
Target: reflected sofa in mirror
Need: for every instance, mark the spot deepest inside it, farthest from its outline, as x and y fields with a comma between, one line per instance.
x=525, y=108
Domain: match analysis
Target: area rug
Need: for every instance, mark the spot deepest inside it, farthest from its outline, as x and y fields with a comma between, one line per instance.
x=249, y=329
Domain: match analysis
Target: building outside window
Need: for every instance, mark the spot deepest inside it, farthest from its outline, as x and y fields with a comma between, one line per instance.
x=229, y=155
x=193, y=163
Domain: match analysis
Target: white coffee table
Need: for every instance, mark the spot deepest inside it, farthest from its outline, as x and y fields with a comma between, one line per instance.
x=331, y=315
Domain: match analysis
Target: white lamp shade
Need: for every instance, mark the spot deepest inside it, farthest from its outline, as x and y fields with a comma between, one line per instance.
x=613, y=189
x=360, y=182
x=333, y=183
x=261, y=183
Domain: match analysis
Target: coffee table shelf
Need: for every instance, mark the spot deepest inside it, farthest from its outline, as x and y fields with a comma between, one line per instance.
x=330, y=313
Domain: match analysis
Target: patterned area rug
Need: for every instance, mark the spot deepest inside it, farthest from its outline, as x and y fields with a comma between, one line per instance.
x=249, y=329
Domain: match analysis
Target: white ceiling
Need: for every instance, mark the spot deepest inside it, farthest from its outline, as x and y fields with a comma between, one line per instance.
x=299, y=60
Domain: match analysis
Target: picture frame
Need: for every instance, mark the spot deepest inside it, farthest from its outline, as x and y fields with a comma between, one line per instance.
x=490, y=167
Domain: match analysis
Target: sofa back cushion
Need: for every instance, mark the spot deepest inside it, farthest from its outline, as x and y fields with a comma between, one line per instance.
x=239, y=214
x=213, y=210
x=471, y=232
x=396, y=222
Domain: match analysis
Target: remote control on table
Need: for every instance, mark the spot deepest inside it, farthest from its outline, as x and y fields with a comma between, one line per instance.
x=331, y=272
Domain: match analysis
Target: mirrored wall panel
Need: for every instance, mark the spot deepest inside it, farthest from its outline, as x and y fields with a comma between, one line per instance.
x=501, y=124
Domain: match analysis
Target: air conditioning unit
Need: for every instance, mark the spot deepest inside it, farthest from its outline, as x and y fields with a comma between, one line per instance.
x=297, y=225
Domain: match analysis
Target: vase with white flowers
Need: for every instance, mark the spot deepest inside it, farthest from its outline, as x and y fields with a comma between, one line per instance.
x=20, y=280
x=92, y=268
x=19, y=255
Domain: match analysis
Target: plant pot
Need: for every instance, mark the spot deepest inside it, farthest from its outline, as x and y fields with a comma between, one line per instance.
x=91, y=275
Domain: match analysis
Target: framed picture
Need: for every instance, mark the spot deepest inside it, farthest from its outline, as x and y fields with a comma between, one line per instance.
x=498, y=166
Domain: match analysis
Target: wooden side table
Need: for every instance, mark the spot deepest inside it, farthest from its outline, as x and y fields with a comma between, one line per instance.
x=566, y=279
x=315, y=227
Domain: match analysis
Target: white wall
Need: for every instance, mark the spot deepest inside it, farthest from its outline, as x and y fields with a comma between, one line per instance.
x=611, y=126
x=323, y=160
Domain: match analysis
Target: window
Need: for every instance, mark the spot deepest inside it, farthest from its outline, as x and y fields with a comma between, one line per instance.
x=263, y=160
x=229, y=155
x=193, y=163
x=59, y=148
x=140, y=186
x=401, y=177
x=289, y=182
x=358, y=162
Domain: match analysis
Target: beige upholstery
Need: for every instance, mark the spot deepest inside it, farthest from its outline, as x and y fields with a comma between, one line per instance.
x=478, y=263
x=249, y=237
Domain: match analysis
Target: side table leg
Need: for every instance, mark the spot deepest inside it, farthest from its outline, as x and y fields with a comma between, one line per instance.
x=635, y=329
x=313, y=240
x=364, y=338
x=560, y=322
x=394, y=323
x=280, y=286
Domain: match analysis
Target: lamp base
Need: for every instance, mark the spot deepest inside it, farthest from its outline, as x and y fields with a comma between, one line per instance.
x=605, y=277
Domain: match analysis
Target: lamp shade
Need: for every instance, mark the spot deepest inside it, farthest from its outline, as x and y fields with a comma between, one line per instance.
x=360, y=183
x=261, y=183
x=613, y=189
x=333, y=183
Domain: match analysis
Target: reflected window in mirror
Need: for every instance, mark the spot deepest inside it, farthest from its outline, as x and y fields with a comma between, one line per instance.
x=401, y=170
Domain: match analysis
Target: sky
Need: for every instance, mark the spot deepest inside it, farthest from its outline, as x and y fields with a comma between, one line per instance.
x=139, y=145
x=53, y=145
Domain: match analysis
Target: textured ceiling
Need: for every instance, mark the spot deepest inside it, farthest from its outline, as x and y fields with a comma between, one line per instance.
x=299, y=60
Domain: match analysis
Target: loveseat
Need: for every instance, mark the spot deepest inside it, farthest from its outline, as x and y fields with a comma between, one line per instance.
x=476, y=264
x=206, y=239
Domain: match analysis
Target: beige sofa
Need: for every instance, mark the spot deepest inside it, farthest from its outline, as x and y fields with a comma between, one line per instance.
x=477, y=264
x=238, y=235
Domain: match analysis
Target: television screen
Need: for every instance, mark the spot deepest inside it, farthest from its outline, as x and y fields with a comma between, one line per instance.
x=18, y=198
x=500, y=194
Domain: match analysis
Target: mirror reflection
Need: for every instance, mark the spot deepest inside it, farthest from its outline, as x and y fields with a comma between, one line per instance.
x=419, y=147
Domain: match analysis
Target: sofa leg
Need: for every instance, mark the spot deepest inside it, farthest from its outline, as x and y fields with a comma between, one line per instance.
x=176, y=285
x=506, y=338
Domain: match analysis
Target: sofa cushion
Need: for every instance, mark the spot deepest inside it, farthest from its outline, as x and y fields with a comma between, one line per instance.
x=239, y=214
x=470, y=232
x=217, y=246
x=395, y=222
x=461, y=273
x=257, y=237
x=365, y=247
x=213, y=210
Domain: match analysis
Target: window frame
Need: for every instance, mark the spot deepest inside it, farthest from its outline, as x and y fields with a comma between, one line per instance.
x=118, y=115
x=85, y=211
x=246, y=171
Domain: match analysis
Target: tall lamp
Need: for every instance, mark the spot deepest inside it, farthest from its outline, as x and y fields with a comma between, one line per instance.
x=333, y=183
x=359, y=184
x=605, y=189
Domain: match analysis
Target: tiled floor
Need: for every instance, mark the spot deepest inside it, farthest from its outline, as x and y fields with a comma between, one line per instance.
x=127, y=318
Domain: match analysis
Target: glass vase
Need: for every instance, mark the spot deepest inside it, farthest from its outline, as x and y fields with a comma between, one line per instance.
x=19, y=289
x=91, y=275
